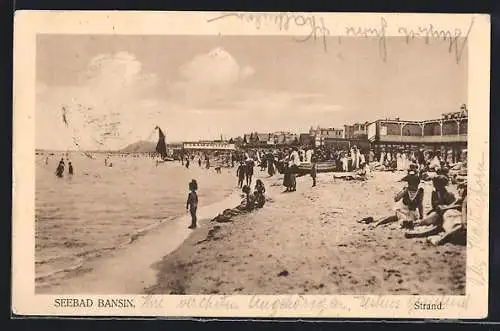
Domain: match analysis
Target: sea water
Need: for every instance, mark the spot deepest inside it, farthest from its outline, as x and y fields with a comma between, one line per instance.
x=100, y=208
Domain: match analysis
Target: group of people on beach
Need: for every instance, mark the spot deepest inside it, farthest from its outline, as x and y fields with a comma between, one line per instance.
x=61, y=166
x=445, y=221
x=251, y=201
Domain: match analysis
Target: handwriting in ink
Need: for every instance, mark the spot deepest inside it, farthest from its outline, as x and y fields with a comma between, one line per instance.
x=378, y=32
x=456, y=41
x=151, y=301
x=315, y=26
x=478, y=187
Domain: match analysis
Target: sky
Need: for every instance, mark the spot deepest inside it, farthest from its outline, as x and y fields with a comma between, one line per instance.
x=105, y=92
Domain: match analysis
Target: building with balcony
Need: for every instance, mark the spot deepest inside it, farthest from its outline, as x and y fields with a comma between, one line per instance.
x=208, y=146
x=447, y=133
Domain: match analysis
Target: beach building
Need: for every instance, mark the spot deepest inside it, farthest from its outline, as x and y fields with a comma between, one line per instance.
x=356, y=130
x=320, y=135
x=271, y=139
x=448, y=133
x=208, y=146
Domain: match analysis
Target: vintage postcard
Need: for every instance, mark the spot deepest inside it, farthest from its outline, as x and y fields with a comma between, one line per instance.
x=234, y=164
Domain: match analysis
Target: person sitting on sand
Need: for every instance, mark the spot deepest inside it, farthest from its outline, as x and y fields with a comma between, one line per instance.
x=409, y=201
x=454, y=225
x=440, y=199
x=192, y=202
x=260, y=190
x=249, y=198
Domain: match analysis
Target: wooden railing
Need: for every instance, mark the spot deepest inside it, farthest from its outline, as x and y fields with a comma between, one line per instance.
x=424, y=139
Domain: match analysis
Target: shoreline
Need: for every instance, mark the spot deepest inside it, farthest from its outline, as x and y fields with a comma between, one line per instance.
x=308, y=242
x=112, y=274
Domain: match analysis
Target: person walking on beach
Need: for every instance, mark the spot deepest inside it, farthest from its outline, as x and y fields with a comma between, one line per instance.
x=187, y=163
x=192, y=203
x=240, y=173
x=70, y=168
x=207, y=162
x=314, y=170
x=199, y=161
x=250, y=164
x=270, y=164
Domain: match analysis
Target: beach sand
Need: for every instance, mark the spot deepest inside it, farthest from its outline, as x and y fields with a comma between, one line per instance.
x=309, y=242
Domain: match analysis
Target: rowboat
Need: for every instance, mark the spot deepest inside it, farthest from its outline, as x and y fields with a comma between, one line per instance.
x=325, y=166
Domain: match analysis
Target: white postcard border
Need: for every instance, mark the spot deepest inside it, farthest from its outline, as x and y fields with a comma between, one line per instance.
x=30, y=23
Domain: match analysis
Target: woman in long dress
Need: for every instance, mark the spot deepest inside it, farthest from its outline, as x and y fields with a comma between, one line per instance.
x=399, y=161
x=404, y=161
x=270, y=164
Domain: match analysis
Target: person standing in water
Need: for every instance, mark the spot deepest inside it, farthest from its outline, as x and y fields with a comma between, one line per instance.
x=60, y=168
x=192, y=203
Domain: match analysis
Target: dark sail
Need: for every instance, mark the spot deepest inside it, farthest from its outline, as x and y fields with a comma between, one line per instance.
x=161, y=147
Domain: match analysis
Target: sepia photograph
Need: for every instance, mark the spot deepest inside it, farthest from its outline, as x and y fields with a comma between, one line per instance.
x=252, y=164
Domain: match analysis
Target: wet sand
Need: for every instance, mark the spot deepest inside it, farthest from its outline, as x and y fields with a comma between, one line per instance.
x=309, y=242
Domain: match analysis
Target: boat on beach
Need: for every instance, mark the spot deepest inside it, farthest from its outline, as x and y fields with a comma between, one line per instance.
x=324, y=166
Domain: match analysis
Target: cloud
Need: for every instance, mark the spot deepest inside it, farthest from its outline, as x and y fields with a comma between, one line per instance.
x=207, y=77
x=100, y=110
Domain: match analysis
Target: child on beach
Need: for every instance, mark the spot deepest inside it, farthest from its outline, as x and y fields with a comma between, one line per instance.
x=192, y=202
x=314, y=171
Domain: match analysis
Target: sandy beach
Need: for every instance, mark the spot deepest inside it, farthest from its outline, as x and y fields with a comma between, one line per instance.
x=309, y=242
